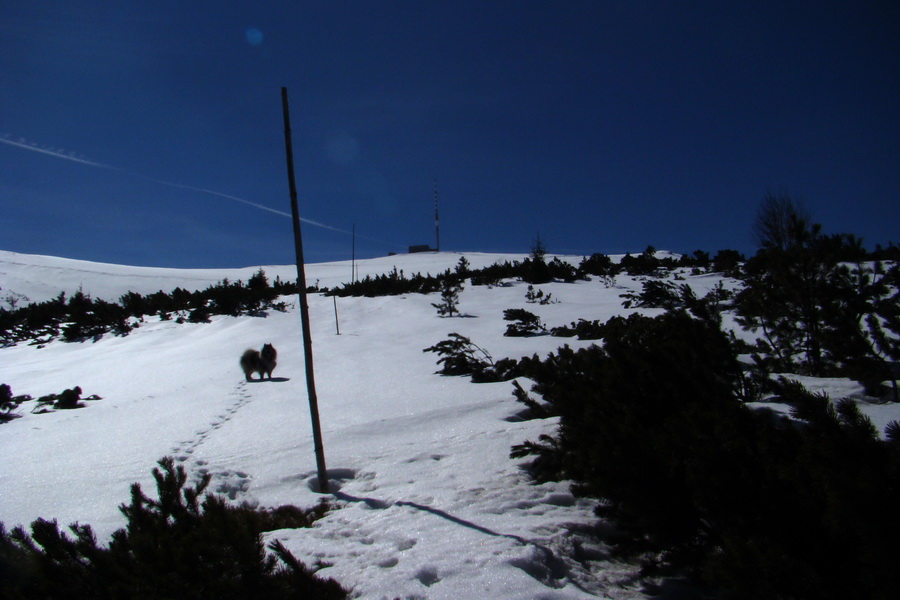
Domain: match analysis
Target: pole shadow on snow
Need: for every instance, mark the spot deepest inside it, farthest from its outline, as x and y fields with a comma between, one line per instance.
x=382, y=505
x=337, y=477
x=549, y=569
x=545, y=566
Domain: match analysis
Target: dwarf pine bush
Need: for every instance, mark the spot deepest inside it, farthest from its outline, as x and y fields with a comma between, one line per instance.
x=174, y=546
x=522, y=323
x=655, y=425
x=9, y=403
x=460, y=356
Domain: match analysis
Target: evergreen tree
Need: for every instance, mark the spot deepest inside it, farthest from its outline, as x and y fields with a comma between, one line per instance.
x=600, y=265
x=451, y=288
x=862, y=324
x=463, y=267
x=534, y=268
x=258, y=282
x=821, y=308
x=645, y=263
x=728, y=262
x=533, y=296
x=787, y=287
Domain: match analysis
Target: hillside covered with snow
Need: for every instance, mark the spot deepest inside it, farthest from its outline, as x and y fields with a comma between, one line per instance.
x=431, y=505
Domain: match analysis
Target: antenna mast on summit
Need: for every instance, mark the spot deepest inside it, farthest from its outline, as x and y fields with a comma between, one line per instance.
x=437, y=221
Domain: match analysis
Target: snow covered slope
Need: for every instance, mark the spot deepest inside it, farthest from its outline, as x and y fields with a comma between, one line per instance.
x=431, y=504
x=40, y=278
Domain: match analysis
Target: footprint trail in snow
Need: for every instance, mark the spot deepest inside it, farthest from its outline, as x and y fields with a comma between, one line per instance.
x=226, y=482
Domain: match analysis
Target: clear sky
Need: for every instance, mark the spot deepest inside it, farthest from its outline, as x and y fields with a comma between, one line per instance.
x=151, y=133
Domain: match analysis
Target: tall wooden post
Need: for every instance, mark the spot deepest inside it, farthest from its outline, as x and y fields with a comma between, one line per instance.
x=437, y=221
x=353, y=257
x=304, y=306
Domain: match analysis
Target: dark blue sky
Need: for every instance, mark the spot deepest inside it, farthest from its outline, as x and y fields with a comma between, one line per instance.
x=151, y=133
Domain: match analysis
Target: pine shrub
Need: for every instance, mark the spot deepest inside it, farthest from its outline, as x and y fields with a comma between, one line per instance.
x=647, y=264
x=654, y=425
x=728, y=263
x=600, y=265
x=9, y=403
x=533, y=296
x=523, y=323
x=563, y=271
x=199, y=314
x=654, y=294
x=460, y=356
x=451, y=288
x=819, y=307
x=175, y=546
x=81, y=317
x=494, y=275
x=582, y=329
x=68, y=399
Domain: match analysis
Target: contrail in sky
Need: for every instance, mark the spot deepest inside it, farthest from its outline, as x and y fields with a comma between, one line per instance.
x=248, y=202
x=20, y=143
x=56, y=153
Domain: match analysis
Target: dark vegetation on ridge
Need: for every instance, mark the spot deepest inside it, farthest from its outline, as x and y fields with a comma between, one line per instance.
x=79, y=317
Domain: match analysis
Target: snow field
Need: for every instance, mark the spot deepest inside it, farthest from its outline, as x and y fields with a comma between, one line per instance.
x=429, y=503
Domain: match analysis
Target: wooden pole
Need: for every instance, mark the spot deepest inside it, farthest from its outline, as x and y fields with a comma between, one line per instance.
x=437, y=221
x=304, y=306
x=337, y=323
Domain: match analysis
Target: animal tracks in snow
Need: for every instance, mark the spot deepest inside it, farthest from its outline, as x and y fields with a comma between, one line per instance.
x=227, y=482
x=476, y=515
x=183, y=450
x=376, y=545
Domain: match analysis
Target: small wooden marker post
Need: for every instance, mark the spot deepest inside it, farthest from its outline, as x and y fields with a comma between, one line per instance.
x=337, y=323
x=304, y=306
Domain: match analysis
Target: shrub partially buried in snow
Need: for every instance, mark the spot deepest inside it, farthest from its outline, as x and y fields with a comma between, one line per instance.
x=176, y=546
